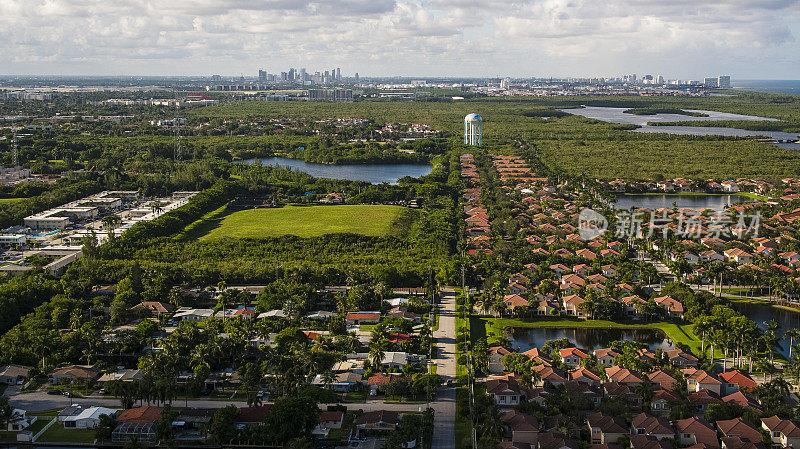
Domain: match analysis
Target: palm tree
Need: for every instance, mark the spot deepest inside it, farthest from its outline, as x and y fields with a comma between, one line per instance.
x=792, y=334
x=110, y=223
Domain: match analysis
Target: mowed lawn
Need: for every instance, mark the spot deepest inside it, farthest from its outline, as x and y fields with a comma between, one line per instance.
x=306, y=221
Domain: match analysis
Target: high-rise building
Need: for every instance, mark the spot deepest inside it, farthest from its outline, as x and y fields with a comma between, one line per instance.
x=303, y=76
x=724, y=82
x=262, y=76
x=710, y=81
x=505, y=83
x=338, y=74
x=356, y=76
x=292, y=75
x=659, y=79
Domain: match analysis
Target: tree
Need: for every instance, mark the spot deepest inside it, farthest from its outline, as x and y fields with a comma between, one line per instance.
x=104, y=428
x=792, y=333
x=110, y=223
x=7, y=413
x=223, y=426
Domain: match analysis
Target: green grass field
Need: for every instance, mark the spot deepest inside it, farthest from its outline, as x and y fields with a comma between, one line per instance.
x=304, y=221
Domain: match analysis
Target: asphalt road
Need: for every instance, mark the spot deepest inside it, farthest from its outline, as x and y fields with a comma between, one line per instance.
x=444, y=435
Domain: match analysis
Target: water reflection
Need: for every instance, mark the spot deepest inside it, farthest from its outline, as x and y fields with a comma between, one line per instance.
x=373, y=173
x=761, y=313
x=590, y=339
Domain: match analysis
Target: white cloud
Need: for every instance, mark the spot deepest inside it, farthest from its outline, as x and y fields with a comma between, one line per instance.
x=679, y=38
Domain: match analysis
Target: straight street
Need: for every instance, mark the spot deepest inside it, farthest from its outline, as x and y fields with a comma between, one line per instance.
x=444, y=435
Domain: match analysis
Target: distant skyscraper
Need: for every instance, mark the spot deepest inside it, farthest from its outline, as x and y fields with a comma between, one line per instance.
x=710, y=81
x=338, y=74
x=262, y=76
x=724, y=82
x=505, y=83
x=356, y=76
x=659, y=79
x=303, y=76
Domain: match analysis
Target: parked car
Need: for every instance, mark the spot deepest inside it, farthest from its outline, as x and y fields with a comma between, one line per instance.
x=53, y=391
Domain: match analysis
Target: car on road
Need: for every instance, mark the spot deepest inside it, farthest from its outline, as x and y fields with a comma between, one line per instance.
x=53, y=391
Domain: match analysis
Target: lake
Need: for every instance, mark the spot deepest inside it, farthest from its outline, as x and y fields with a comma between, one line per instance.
x=372, y=173
x=590, y=339
x=618, y=115
x=765, y=312
x=653, y=202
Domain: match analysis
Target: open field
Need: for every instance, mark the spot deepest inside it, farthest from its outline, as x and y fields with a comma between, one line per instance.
x=302, y=221
x=493, y=328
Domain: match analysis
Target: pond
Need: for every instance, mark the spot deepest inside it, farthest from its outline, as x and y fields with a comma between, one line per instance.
x=372, y=173
x=590, y=339
x=617, y=115
x=653, y=202
x=761, y=313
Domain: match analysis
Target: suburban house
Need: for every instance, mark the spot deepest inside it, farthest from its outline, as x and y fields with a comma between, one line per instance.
x=605, y=429
x=783, y=432
x=84, y=418
x=739, y=256
x=523, y=428
x=572, y=356
x=644, y=424
x=681, y=359
x=505, y=391
x=496, y=354
x=73, y=374
x=691, y=431
x=733, y=381
x=137, y=423
x=606, y=356
x=358, y=318
x=378, y=420
x=697, y=379
x=14, y=374
x=737, y=427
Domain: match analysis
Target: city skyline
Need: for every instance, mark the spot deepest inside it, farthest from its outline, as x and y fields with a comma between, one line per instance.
x=403, y=38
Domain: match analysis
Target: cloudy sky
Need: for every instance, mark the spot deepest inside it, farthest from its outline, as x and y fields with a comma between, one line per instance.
x=749, y=39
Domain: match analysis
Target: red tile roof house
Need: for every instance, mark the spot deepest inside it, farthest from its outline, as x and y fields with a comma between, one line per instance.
x=496, y=354
x=515, y=301
x=739, y=428
x=644, y=424
x=572, y=356
x=697, y=379
x=691, y=431
x=624, y=376
x=548, y=374
x=606, y=356
x=783, y=432
x=738, y=443
x=648, y=442
x=584, y=375
x=537, y=355
x=733, y=381
x=662, y=401
x=524, y=428
x=680, y=359
x=605, y=429
x=742, y=400
x=571, y=304
x=357, y=318
x=671, y=306
x=505, y=391
x=661, y=379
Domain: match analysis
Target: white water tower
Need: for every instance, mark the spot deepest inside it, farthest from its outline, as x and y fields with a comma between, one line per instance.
x=473, y=130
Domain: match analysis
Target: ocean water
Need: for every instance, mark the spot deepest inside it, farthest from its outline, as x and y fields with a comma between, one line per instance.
x=771, y=86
